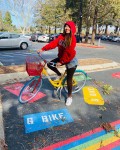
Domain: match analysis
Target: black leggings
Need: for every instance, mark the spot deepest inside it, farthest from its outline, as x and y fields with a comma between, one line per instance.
x=70, y=72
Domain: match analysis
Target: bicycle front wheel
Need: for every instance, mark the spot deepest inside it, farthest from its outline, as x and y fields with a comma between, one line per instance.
x=30, y=89
x=78, y=82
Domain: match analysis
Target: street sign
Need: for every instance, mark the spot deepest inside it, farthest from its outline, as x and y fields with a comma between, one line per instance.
x=40, y=121
x=92, y=96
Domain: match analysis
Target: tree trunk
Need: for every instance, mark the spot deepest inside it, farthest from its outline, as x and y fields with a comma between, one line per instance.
x=116, y=29
x=88, y=22
x=87, y=33
x=106, y=29
x=80, y=19
x=118, y=32
x=94, y=26
x=49, y=30
x=55, y=28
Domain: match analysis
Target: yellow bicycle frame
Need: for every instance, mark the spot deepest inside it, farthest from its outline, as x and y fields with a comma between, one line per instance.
x=56, y=83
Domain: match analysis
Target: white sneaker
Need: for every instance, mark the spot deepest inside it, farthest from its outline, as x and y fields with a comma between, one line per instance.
x=69, y=101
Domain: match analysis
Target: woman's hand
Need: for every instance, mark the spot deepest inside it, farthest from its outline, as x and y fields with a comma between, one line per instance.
x=39, y=51
x=58, y=64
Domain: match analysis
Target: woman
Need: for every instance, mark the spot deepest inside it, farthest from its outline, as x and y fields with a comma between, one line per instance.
x=66, y=43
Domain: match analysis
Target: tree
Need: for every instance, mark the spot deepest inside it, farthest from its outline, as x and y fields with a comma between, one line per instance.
x=101, y=9
x=22, y=10
x=116, y=14
x=1, y=22
x=7, y=21
x=87, y=17
x=51, y=14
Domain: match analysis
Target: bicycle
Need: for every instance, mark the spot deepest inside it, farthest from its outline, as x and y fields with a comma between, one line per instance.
x=36, y=68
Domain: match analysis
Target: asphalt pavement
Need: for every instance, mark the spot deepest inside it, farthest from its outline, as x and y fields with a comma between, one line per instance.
x=46, y=123
x=60, y=127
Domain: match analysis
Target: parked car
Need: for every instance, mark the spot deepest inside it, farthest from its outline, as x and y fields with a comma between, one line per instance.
x=13, y=40
x=43, y=38
x=110, y=38
x=1, y=32
x=97, y=36
x=116, y=39
x=89, y=36
x=35, y=36
x=104, y=37
x=53, y=37
x=28, y=35
x=78, y=39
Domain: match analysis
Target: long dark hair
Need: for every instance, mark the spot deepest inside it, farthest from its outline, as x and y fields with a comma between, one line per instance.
x=68, y=38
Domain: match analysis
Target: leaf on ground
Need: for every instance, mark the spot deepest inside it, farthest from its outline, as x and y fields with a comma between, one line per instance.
x=107, y=127
x=103, y=108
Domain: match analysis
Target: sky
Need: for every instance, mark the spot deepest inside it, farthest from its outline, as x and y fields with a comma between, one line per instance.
x=19, y=21
x=16, y=15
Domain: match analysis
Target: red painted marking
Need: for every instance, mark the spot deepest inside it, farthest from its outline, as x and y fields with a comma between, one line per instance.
x=116, y=75
x=88, y=45
x=15, y=89
x=78, y=137
x=111, y=145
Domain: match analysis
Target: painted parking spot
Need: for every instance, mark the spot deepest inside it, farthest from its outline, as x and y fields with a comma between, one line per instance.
x=116, y=75
x=40, y=121
x=90, y=140
x=15, y=89
x=92, y=96
x=81, y=78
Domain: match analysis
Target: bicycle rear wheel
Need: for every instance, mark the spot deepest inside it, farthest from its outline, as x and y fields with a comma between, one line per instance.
x=30, y=89
x=79, y=80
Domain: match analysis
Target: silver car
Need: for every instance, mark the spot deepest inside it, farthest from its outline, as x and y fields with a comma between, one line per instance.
x=13, y=40
x=43, y=38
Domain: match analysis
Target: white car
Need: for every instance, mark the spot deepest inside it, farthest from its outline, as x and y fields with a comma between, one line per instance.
x=27, y=35
x=13, y=40
x=43, y=38
x=116, y=39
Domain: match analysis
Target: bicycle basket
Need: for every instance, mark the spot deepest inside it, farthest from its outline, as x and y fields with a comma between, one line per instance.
x=34, y=66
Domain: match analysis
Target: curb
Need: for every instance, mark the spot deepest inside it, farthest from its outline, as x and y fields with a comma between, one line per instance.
x=23, y=76
x=2, y=136
x=89, y=45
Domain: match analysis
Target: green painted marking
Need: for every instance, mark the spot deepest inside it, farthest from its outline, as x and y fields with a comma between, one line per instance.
x=89, y=78
x=94, y=141
x=81, y=78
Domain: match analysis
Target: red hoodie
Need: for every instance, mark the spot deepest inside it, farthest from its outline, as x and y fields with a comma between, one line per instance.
x=65, y=54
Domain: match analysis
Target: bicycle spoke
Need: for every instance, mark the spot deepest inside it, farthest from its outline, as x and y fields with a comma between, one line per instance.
x=30, y=89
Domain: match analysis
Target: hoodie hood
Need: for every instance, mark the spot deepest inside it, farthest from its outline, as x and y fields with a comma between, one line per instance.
x=72, y=26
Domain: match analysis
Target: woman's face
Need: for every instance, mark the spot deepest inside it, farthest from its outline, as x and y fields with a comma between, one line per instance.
x=67, y=29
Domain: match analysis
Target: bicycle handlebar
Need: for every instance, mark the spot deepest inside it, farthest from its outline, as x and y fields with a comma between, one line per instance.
x=53, y=64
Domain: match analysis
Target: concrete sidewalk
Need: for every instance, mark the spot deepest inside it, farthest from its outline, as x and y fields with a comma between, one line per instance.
x=2, y=136
x=18, y=73
x=89, y=66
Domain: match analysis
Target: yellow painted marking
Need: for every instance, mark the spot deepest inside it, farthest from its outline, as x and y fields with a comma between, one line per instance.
x=102, y=143
x=92, y=96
